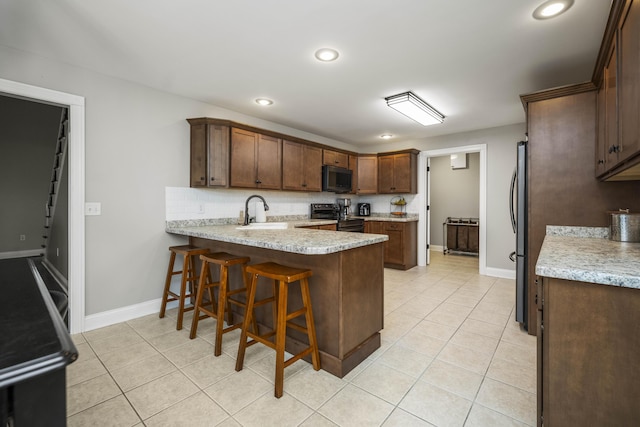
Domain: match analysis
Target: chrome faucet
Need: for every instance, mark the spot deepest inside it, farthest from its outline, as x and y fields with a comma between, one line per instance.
x=246, y=207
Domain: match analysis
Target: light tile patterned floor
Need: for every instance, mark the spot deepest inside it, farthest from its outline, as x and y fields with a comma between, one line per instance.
x=452, y=355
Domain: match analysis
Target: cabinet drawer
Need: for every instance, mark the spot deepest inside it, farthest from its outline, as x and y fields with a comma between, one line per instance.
x=393, y=226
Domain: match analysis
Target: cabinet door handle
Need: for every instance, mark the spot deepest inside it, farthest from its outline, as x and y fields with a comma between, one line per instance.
x=601, y=162
x=258, y=181
x=213, y=179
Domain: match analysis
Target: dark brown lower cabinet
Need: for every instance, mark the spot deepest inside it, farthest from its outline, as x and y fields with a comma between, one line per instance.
x=401, y=250
x=347, y=294
x=588, y=354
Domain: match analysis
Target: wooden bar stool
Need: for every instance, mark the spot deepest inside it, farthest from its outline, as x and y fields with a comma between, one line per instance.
x=188, y=272
x=225, y=295
x=282, y=276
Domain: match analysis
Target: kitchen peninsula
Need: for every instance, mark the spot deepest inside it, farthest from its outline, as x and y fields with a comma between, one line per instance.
x=347, y=285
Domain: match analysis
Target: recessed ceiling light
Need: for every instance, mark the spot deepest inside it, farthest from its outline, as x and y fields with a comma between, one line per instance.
x=386, y=136
x=264, y=101
x=552, y=8
x=326, y=54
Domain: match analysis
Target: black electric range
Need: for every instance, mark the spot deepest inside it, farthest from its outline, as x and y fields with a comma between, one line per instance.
x=332, y=211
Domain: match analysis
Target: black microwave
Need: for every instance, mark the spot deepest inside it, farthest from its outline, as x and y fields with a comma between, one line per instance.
x=335, y=179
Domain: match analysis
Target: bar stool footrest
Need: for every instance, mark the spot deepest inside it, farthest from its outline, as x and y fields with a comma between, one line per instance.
x=297, y=327
x=298, y=356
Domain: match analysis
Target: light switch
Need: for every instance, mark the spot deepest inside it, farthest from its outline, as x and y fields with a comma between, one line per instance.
x=92, y=208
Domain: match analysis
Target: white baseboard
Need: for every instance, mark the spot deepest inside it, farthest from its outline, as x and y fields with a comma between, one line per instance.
x=436, y=248
x=501, y=272
x=21, y=254
x=111, y=317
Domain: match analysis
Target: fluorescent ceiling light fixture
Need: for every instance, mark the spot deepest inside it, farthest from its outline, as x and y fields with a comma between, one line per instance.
x=264, y=101
x=415, y=108
x=552, y=8
x=326, y=54
x=386, y=136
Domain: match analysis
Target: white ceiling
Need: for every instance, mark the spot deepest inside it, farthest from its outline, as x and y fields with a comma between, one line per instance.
x=470, y=59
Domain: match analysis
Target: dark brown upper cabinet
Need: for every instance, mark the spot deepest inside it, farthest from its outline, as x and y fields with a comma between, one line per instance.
x=398, y=173
x=209, y=154
x=256, y=160
x=301, y=167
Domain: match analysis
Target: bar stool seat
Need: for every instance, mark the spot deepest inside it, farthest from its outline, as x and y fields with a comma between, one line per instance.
x=225, y=295
x=189, y=276
x=282, y=276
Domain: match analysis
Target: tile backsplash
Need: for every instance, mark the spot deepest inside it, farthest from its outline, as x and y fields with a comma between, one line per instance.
x=183, y=203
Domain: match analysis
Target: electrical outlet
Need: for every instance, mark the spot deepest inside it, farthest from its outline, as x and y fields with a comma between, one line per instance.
x=92, y=208
x=23, y=237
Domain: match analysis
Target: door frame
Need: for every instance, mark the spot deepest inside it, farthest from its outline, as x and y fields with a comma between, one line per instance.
x=424, y=225
x=76, y=170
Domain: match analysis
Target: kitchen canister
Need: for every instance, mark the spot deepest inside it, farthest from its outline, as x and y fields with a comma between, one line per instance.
x=624, y=226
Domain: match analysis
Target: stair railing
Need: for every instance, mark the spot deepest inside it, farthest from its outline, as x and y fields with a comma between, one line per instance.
x=56, y=174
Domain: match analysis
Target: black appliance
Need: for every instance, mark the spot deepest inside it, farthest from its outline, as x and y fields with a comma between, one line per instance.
x=34, y=351
x=364, y=209
x=519, y=220
x=336, y=179
x=332, y=211
x=354, y=225
x=324, y=211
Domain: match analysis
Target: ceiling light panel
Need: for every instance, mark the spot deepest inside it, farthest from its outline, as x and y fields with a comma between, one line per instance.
x=415, y=108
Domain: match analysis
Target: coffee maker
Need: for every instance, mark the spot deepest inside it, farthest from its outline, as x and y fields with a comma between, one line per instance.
x=345, y=207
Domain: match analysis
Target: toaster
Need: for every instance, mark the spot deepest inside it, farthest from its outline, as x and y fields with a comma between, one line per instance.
x=364, y=209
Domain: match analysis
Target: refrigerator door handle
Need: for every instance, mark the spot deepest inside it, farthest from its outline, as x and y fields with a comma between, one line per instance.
x=512, y=256
x=514, y=178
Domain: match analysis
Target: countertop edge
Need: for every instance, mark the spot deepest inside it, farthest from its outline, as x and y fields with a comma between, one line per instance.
x=296, y=220
x=590, y=259
x=265, y=239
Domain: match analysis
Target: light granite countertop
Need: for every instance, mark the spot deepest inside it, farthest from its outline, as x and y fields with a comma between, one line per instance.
x=389, y=217
x=292, y=239
x=589, y=259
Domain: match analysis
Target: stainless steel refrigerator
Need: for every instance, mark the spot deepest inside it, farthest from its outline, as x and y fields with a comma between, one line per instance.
x=518, y=207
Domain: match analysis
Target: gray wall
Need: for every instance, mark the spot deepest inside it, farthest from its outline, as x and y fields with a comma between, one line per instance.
x=28, y=132
x=501, y=159
x=137, y=143
x=454, y=192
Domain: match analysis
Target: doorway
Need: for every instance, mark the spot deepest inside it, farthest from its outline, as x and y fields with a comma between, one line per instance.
x=424, y=224
x=76, y=174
